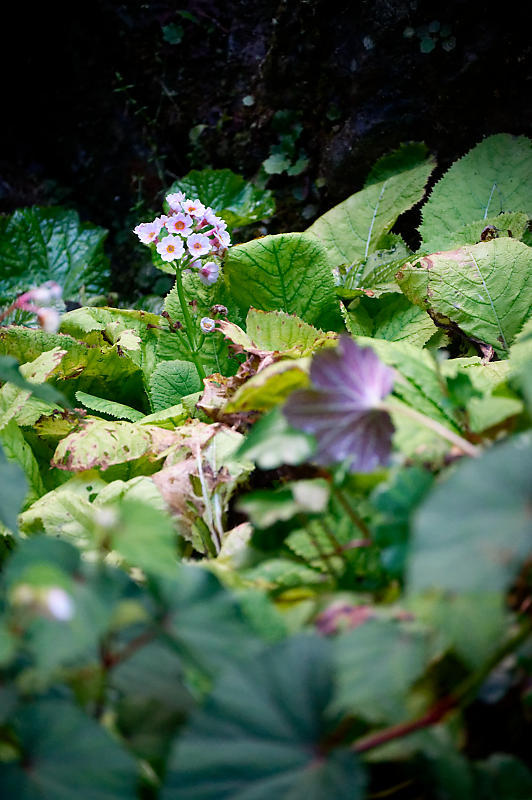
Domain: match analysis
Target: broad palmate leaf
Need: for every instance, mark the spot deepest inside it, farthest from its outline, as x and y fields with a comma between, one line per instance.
x=259, y=735
x=66, y=755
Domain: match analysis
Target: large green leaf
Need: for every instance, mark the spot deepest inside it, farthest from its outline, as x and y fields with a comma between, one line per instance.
x=289, y=272
x=259, y=735
x=66, y=755
x=236, y=200
x=377, y=663
x=102, y=326
x=102, y=443
x=473, y=532
x=171, y=381
x=41, y=244
x=355, y=228
x=99, y=369
x=486, y=289
x=469, y=539
x=493, y=178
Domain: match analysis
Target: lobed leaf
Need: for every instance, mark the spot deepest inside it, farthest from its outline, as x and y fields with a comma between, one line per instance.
x=473, y=532
x=66, y=748
x=259, y=734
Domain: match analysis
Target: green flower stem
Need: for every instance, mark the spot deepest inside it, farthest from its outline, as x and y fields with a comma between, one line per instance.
x=189, y=325
x=466, y=447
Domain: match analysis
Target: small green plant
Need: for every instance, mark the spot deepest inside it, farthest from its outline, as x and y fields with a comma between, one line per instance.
x=286, y=156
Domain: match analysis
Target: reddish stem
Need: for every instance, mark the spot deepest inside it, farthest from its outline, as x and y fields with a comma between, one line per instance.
x=433, y=716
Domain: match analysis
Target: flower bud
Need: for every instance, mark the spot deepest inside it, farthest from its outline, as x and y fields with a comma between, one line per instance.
x=207, y=324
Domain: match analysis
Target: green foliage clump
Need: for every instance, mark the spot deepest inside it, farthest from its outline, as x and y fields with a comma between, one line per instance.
x=193, y=601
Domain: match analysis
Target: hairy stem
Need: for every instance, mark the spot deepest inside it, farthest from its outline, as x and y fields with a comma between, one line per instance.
x=189, y=325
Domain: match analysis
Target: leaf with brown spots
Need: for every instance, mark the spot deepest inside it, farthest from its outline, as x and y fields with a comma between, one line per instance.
x=485, y=289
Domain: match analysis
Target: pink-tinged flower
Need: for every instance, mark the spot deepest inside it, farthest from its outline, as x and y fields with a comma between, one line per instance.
x=148, y=231
x=45, y=293
x=194, y=208
x=212, y=219
x=198, y=245
x=221, y=239
x=175, y=200
x=207, y=324
x=209, y=273
x=170, y=248
x=180, y=223
x=343, y=409
x=48, y=319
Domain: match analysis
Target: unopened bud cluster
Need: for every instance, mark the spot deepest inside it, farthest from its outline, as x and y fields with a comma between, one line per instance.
x=188, y=234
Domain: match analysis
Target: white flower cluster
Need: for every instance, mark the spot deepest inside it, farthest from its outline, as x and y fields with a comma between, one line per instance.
x=190, y=232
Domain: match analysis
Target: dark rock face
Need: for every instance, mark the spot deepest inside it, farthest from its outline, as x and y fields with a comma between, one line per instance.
x=111, y=103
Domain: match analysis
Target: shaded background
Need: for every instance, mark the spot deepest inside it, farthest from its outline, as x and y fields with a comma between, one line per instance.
x=108, y=104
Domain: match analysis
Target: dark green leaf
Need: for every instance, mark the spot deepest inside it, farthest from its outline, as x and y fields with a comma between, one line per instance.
x=259, y=734
x=171, y=381
x=473, y=532
x=486, y=289
x=66, y=756
x=377, y=663
x=228, y=194
x=206, y=623
x=41, y=244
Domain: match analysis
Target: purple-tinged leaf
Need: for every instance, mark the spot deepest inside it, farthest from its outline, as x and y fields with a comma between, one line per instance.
x=342, y=410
